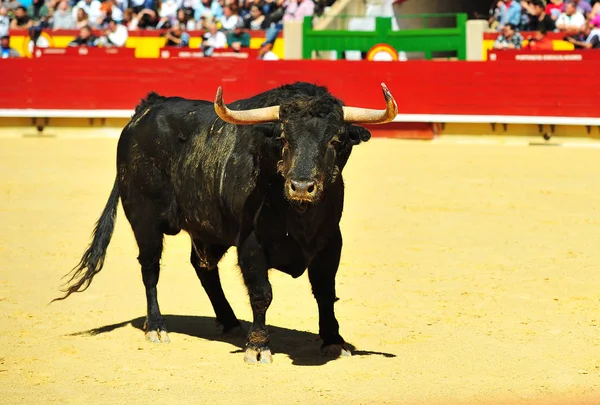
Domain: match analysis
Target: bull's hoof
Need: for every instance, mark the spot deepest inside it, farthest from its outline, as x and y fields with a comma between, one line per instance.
x=160, y=336
x=256, y=356
x=336, y=350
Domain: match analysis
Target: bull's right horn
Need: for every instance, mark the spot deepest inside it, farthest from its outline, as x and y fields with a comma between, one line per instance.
x=368, y=116
x=244, y=117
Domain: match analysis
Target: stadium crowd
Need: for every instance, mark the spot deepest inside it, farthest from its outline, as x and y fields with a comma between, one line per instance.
x=578, y=20
x=222, y=21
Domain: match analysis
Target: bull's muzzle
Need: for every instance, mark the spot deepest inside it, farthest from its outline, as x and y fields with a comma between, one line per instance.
x=302, y=191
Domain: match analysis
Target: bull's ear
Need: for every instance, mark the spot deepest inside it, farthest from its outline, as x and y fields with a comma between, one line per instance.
x=358, y=134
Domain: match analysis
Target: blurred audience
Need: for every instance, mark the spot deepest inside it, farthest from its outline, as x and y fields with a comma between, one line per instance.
x=21, y=19
x=588, y=38
x=62, y=17
x=85, y=38
x=540, y=41
x=114, y=35
x=4, y=21
x=177, y=37
x=213, y=39
x=509, y=39
x=238, y=38
x=5, y=50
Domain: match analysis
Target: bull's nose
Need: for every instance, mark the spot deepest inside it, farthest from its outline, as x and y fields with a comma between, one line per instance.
x=303, y=189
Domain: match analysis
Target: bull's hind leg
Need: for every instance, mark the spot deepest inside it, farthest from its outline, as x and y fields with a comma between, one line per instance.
x=253, y=264
x=321, y=274
x=150, y=243
x=205, y=259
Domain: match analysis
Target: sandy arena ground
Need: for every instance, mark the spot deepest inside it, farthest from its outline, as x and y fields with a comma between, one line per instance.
x=470, y=274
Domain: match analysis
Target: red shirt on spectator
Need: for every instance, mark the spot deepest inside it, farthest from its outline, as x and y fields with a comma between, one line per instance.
x=544, y=44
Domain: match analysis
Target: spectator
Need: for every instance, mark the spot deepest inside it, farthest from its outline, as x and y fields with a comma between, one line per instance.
x=21, y=19
x=114, y=35
x=91, y=8
x=256, y=20
x=238, y=38
x=62, y=18
x=38, y=12
x=554, y=8
x=176, y=37
x=11, y=6
x=582, y=7
x=81, y=19
x=230, y=18
x=571, y=21
x=85, y=38
x=4, y=21
x=296, y=10
x=213, y=39
x=185, y=20
x=588, y=38
x=205, y=20
x=539, y=41
x=147, y=18
x=509, y=13
x=5, y=50
x=167, y=13
x=208, y=6
x=244, y=8
x=110, y=11
x=130, y=20
x=509, y=39
x=539, y=18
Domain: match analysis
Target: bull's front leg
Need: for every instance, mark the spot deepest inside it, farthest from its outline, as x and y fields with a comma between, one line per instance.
x=321, y=274
x=253, y=264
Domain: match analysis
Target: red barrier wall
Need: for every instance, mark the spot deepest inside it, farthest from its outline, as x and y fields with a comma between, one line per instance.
x=420, y=87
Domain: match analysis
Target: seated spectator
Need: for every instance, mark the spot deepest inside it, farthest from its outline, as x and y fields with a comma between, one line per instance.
x=508, y=12
x=205, y=20
x=571, y=21
x=167, y=13
x=554, y=8
x=208, y=6
x=238, y=38
x=185, y=20
x=244, y=8
x=85, y=38
x=91, y=8
x=176, y=37
x=21, y=19
x=4, y=21
x=147, y=18
x=539, y=19
x=509, y=39
x=582, y=7
x=213, y=39
x=296, y=10
x=81, y=19
x=230, y=18
x=114, y=35
x=588, y=38
x=5, y=50
x=38, y=12
x=62, y=18
x=130, y=20
x=539, y=41
x=11, y=6
x=256, y=20
x=109, y=11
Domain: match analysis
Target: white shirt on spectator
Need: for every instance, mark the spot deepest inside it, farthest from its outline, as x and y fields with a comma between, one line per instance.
x=229, y=23
x=4, y=25
x=168, y=9
x=217, y=41
x=136, y=3
x=119, y=37
x=577, y=20
x=93, y=10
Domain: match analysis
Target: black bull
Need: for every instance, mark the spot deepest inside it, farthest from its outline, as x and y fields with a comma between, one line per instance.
x=265, y=177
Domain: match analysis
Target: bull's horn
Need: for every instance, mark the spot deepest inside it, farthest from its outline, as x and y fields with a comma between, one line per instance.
x=244, y=117
x=368, y=116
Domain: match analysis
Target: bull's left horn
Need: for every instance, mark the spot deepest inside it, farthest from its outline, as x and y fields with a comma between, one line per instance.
x=368, y=116
x=244, y=117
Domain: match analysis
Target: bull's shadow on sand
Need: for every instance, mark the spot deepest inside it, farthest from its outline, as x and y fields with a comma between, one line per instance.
x=302, y=347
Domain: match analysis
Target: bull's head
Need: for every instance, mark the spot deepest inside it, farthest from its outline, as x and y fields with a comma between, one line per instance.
x=317, y=135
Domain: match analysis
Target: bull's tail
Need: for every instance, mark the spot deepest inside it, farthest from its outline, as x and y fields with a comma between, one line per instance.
x=93, y=259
